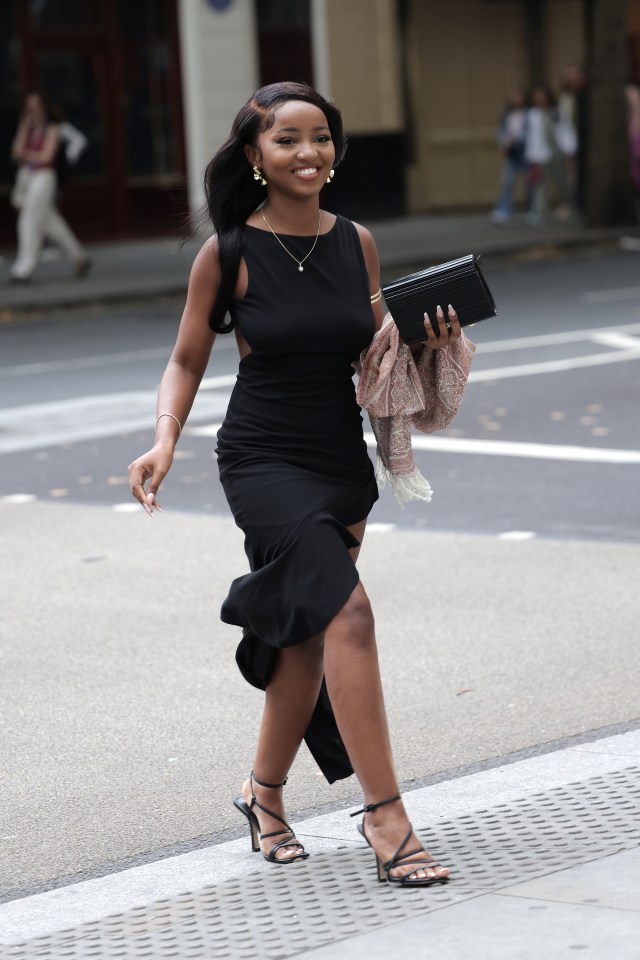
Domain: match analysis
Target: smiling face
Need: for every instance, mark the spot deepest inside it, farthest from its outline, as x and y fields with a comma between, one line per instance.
x=296, y=153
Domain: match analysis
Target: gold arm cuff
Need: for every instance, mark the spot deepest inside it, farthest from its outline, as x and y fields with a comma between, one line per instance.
x=376, y=296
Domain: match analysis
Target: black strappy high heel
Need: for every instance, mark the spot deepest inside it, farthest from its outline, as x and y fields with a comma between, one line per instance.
x=399, y=859
x=246, y=809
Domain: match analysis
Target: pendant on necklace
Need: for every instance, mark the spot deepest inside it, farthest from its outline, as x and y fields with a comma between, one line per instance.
x=300, y=269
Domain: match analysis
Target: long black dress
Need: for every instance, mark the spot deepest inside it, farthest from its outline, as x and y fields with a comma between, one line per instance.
x=292, y=458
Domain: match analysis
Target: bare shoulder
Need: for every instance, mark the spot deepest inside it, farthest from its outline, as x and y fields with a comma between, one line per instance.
x=366, y=237
x=205, y=270
x=370, y=252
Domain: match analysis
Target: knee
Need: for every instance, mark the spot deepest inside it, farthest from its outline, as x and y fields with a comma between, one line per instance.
x=356, y=618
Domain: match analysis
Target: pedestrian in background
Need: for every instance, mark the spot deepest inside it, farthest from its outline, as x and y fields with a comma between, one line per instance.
x=35, y=148
x=512, y=140
x=550, y=138
x=302, y=288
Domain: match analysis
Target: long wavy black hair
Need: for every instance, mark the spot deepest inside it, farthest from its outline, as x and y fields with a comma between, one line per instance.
x=231, y=191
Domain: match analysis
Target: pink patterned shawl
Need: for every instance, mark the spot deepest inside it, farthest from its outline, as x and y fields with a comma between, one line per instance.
x=399, y=391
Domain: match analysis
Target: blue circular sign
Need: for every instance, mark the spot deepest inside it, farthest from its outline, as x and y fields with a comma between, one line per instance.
x=220, y=4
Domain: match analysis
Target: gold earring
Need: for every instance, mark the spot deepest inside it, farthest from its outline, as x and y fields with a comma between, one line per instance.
x=331, y=176
x=258, y=175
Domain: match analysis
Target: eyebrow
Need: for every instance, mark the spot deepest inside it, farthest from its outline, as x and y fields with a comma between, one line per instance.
x=324, y=126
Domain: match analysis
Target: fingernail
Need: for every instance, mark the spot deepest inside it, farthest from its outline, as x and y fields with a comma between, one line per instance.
x=426, y=319
x=439, y=312
x=451, y=310
x=150, y=498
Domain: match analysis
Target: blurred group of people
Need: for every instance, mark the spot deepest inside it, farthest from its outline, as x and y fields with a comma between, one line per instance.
x=543, y=140
x=42, y=147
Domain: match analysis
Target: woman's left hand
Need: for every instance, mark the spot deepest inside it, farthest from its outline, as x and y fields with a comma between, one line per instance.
x=449, y=329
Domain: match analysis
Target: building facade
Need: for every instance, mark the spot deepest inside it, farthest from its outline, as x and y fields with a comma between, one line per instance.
x=155, y=85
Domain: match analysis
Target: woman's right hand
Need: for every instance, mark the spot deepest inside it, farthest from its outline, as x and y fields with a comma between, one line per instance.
x=153, y=467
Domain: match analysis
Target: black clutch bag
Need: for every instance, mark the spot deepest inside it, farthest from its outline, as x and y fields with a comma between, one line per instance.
x=458, y=282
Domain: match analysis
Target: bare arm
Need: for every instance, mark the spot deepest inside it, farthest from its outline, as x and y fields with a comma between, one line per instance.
x=182, y=376
x=20, y=139
x=449, y=330
x=372, y=263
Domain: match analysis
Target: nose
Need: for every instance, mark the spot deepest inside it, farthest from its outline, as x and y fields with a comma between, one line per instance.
x=307, y=150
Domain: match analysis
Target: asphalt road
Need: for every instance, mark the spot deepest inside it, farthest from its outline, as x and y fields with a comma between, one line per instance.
x=125, y=725
x=546, y=442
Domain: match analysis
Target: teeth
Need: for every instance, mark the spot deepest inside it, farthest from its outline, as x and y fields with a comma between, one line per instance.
x=306, y=172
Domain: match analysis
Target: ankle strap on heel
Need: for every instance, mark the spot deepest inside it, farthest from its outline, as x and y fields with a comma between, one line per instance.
x=269, y=786
x=370, y=807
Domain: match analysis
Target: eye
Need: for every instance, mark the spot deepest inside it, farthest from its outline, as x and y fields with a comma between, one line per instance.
x=324, y=138
x=285, y=140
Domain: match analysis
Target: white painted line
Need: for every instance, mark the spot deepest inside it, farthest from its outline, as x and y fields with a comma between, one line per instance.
x=507, y=448
x=616, y=340
x=552, y=339
x=42, y=425
x=82, y=363
x=127, y=507
x=517, y=535
x=210, y=430
x=553, y=366
x=101, y=360
x=18, y=498
x=226, y=380
x=609, y=296
x=380, y=527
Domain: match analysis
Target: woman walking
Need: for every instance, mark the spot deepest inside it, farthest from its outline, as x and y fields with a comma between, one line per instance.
x=302, y=289
x=35, y=147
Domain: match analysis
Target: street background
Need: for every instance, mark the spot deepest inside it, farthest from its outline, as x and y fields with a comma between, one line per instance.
x=507, y=609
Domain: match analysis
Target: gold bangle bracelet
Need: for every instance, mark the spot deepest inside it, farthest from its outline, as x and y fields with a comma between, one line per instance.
x=376, y=296
x=173, y=417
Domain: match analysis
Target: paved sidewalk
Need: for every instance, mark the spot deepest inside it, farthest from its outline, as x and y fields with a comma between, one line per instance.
x=160, y=267
x=545, y=862
x=128, y=753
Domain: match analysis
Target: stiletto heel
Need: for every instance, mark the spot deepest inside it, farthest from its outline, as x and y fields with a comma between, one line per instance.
x=400, y=858
x=246, y=809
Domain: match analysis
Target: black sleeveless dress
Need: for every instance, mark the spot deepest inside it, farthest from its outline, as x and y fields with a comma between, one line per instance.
x=292, y=458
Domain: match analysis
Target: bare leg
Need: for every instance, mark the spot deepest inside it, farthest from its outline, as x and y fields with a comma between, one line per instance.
x=355, y=689
x=289, y=703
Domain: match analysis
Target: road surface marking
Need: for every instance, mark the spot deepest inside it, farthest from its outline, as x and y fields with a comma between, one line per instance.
x=554, y=366
x=507, y=448
x=552, y=339
x=18, y=498
x=102, y=360
x=209, y=430
x=609, y=296
x=616, y=340
x=517, y=535
x=228, y=380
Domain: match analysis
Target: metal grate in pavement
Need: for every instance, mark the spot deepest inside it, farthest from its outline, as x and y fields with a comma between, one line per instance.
x=290, y=910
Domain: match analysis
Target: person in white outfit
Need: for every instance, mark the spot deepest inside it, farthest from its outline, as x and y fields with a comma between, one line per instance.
x=550, y=139
x=35, y=146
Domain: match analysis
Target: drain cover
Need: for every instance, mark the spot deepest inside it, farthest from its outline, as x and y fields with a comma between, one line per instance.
x=291, y=910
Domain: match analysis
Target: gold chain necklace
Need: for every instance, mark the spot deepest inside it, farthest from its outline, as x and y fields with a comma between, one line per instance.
x=286, y=250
